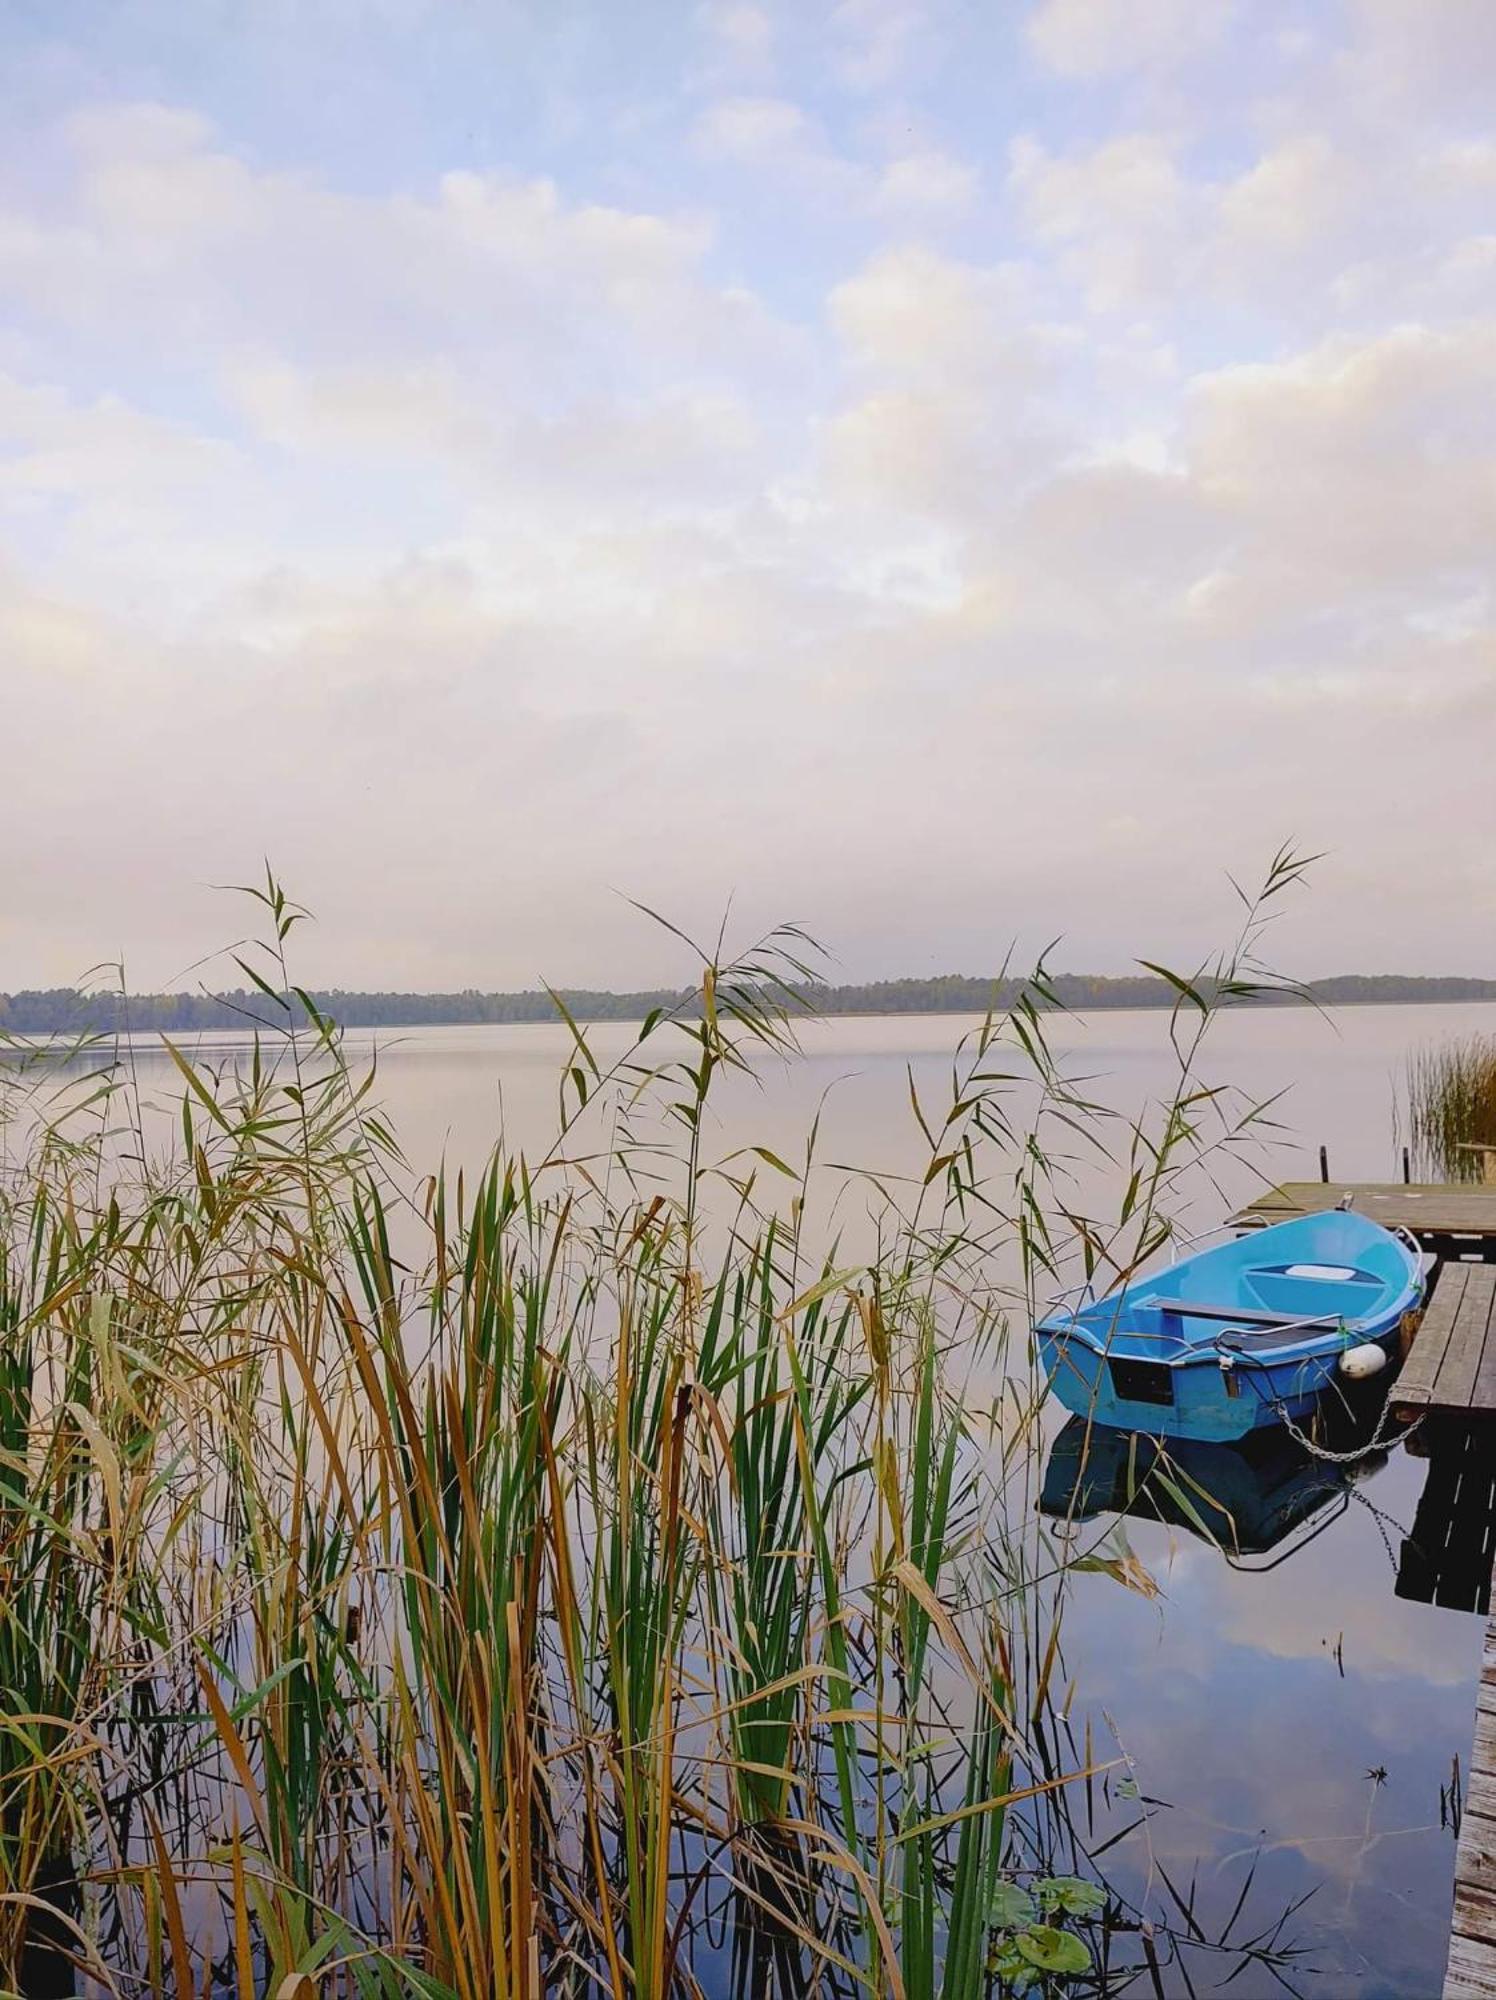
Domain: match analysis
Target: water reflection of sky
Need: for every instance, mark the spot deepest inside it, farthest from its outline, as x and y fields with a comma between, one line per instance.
x=1229, y=1697
x=1227, y=1693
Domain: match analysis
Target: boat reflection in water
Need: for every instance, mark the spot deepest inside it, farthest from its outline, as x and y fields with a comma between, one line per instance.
x=1246, y=1497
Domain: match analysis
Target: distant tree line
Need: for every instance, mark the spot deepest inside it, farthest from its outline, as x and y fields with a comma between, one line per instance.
x=62, y=1009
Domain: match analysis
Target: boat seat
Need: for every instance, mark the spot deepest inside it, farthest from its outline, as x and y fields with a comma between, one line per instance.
x=1238, y=1315
x=1249, y=1340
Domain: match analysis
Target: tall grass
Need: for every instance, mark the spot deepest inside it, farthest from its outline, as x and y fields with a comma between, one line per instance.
x=1449, y=1102
x=421, y=1585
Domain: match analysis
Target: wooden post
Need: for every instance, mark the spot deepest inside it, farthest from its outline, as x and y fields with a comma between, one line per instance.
x=1324, y=1163
x=1407, y=1168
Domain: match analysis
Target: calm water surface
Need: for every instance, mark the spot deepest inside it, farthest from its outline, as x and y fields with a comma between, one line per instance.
x=1296, y=1722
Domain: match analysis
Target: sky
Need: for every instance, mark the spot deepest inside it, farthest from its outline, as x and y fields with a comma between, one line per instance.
x=952, y=473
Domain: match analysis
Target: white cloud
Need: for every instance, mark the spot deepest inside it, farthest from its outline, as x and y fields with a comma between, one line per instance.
x=1439, y=55
x=683, y=447
x=1131, y=181
x=927, y=183
x=1316, y=228
x=1091, y=38
x=743, y=34
x=878, y=40
x=753, y=128
x=1292, y=198
x=163, y=219
x=1362, y=467
x=917, y=312
x=778, y=142
x=377, y=512
x=54, y=448
x=1122, y=217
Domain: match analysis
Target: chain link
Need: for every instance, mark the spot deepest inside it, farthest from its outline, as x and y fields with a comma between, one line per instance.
x=1376, y=1442
x=1381, y=1517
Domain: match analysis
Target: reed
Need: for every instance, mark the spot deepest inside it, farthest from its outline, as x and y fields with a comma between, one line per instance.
x=1448, y=1103
x=416, y=1585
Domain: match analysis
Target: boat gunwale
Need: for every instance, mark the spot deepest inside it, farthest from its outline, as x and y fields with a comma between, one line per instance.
x=1338, y=1333
x=1200, y=1354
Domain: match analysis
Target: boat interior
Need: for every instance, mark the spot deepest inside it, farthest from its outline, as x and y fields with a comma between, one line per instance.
x=1280, y=1298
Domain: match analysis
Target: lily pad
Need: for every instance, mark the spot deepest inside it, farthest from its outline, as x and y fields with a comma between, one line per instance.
x=1052, y=1950
x=1070, y=1893
x=1017, y=1975
x=1010, y=1907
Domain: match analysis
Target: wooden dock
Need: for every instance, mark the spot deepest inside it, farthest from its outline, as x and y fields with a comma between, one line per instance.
x=1452, y=1221
x=1448, y=1384
x=1451, y=1367
x=1471, y=1971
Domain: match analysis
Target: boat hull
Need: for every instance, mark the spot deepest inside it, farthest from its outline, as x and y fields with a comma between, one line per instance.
x=1207, y=1402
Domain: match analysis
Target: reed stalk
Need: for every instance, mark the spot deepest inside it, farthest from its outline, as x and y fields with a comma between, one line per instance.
x=1448, y=1108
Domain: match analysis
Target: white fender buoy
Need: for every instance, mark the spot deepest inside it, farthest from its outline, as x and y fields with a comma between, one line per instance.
x=1358, y=1363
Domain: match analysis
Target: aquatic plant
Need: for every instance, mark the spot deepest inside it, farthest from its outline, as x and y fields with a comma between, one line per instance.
x=422, y=1584
x=1448, y=1106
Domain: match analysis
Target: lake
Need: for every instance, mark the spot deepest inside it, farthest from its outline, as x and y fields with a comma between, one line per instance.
x=1292, y=1724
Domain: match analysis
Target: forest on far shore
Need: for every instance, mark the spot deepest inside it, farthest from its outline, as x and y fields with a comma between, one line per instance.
x=65, y=1009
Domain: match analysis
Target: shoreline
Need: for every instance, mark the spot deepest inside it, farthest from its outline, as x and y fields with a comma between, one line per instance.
x=39, y=1041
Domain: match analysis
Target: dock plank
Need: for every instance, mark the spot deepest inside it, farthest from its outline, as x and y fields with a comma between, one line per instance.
x=1474, y=1915
x=1472, y=1970
x=1451, y=1367
x=1449, y=1377
x=1483, y=1396
x=1454, y=1387
x=1483, y=1765
x=1475, y=1859
x=1420, y=1371
x=1427, y=1208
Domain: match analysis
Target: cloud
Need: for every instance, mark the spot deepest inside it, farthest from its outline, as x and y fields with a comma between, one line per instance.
x=1438, y=57
x=1363, y=466
x=754, y=128
x=680, y=445
x=926, y=184
x=1084, y=39
x=484, y=527
x=916, y=311
x=1317, y=227
x=743, y=35
x=778, y=141
x=1291, y=198
x=878, y=40
x=1121, y=216
x=55, y=448
x=161, y=214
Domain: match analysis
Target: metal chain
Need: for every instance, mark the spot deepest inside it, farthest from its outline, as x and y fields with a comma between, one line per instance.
x=1381, y=1517
x=1376, y=1442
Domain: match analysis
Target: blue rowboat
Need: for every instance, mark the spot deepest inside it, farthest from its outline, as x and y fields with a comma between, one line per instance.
x=1237, y=1337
